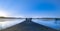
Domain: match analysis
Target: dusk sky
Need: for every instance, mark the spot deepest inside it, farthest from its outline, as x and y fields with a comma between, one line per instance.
x=31, y=8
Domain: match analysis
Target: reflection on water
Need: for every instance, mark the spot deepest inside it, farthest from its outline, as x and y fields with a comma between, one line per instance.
x=49, y=23
x=7, y=24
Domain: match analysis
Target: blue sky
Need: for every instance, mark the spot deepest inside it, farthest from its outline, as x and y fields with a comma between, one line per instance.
x=31, y=8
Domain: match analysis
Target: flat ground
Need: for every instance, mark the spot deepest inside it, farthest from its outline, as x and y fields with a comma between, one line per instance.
x=29, y=26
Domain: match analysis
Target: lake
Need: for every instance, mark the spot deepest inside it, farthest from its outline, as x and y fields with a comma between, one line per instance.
x=48, y=23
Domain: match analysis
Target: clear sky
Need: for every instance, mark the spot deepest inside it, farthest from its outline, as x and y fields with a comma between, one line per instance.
x=31, y=8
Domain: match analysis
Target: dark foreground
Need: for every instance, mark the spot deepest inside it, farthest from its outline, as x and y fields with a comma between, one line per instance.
x=29, y=26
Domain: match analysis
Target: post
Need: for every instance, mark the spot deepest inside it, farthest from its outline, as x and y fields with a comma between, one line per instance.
x=56, y=20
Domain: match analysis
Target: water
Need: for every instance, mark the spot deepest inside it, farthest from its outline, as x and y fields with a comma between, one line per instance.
x=49, y=23
x=6, y=24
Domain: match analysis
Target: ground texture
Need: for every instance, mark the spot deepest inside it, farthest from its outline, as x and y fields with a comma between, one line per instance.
x=29, y=26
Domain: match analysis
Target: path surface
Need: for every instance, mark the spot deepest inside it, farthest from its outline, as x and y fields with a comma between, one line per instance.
x=29, y=26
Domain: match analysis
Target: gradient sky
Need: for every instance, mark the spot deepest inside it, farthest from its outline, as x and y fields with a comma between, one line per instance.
x=31, y=8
